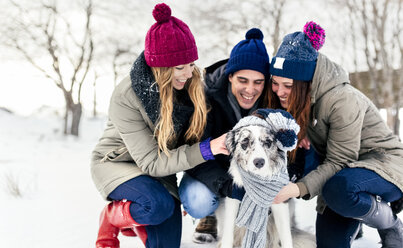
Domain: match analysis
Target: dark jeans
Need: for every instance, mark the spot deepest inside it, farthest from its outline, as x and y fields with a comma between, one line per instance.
x=153, y=205
x=347, y=195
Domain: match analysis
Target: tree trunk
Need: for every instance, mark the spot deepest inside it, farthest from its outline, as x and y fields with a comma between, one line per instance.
x=94, y=102
x=396, y=124
x=390, y=117
x=66, y=120
x=76, y=111
x=72, y=118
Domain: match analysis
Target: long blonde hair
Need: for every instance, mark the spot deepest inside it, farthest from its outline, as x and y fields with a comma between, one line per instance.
x=164, y=130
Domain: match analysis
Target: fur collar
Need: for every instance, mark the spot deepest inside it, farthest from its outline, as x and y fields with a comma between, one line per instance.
x=145, y=87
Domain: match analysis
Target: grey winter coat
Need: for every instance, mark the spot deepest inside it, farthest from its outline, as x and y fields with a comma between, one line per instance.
x=347, y=130
x=128, y=148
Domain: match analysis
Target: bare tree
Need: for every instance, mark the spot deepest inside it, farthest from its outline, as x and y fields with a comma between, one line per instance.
x=398, y=75
x=63, y=53
x=219, y=25
x=122, y=57
x=376, y=32
x=269, y=19
x=94, y=99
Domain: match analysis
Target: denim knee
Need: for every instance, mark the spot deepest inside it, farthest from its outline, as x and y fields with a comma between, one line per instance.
x=345, y=197
x=151, y=203
x=198, y=200
x=334, y=190
x=158, y=209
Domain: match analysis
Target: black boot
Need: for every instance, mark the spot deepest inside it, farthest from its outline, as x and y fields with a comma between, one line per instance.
x=206, y=230
x=390, y=227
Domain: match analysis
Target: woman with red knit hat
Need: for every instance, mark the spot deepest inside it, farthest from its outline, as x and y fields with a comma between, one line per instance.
x=156, y=119
x=361, y=167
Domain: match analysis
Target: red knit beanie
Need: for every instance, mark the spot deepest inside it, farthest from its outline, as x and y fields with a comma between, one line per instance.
x=169, y=41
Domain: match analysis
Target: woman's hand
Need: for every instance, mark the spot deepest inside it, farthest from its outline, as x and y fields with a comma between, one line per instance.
x=287, y=192
x=305, y=143
x=217, y=145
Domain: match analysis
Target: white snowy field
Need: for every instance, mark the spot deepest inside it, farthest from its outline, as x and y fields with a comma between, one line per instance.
x=48, y=198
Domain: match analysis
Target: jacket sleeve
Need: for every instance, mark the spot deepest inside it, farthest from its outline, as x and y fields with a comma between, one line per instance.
x=124, y=113
x=208, y=131
x=344, y=119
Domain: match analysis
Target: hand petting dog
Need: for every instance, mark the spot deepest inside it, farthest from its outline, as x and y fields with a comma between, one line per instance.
x=289, y=191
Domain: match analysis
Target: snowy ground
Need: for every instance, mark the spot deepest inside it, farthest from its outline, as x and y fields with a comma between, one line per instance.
x=48, y=198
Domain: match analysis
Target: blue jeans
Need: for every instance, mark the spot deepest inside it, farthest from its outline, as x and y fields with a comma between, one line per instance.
x=198, y=200
x=153, y=205
x=347, y=195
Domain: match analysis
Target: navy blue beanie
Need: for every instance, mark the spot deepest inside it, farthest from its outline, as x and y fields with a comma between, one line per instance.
x=297, y=54
x=249, y=54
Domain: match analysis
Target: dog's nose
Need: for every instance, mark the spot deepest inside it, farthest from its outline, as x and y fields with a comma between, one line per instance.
x=258, y=162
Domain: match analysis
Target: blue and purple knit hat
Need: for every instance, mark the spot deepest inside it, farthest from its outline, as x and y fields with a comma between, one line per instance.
x=297, y=55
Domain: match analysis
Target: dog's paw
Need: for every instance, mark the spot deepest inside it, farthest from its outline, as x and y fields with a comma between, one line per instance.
x=203, y=238
x=218, y=245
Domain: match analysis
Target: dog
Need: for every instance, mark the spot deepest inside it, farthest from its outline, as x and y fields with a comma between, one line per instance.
x=258, y=145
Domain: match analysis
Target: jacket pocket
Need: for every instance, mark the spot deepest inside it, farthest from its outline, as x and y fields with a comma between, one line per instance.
x=117, y=155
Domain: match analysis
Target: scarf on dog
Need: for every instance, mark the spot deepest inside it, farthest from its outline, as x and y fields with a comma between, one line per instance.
x=260, y=191
x=254, y=210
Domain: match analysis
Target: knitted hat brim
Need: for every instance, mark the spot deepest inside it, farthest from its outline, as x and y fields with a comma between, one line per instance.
x=171, y=59
x=297, y=70
x=248, y=61
x=251, y=121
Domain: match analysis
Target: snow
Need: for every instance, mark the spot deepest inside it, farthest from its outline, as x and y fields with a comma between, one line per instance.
x=55, y=203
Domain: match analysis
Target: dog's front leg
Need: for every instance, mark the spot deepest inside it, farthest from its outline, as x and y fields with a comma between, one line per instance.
x=282, y=221
x=231, y=211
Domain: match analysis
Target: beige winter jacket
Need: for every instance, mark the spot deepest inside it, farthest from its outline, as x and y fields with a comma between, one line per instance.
x=347, y=130
x=128, y=148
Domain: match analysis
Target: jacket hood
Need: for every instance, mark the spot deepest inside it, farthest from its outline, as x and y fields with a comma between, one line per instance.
x=215, y=77
x=327, y=76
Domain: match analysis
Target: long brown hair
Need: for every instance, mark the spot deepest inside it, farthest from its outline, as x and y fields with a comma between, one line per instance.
x=164, y=130
x=299, y=106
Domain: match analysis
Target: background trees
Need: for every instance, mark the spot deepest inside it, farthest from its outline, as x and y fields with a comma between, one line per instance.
x=376, y=38
x=86, y=46
x=49, y=40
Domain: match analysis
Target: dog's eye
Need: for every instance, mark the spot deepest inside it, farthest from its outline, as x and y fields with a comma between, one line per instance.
x=268, y=143
x=245, y=143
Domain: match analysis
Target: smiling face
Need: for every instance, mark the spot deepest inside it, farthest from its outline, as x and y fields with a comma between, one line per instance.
x=247, y=86
x=181, y=74
x=282, y=86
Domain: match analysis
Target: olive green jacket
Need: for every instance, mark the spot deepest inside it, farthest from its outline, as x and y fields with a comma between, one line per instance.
x=347, y=130
x=128, y=148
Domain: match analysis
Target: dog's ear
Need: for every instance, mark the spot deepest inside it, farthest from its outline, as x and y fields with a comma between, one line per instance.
x=230, y=140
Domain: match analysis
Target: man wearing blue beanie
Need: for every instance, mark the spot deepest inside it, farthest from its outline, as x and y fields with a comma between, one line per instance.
x=235, y=88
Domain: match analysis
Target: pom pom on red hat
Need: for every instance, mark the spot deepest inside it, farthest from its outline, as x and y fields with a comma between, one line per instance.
x=162, y=13
x=316, y=34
